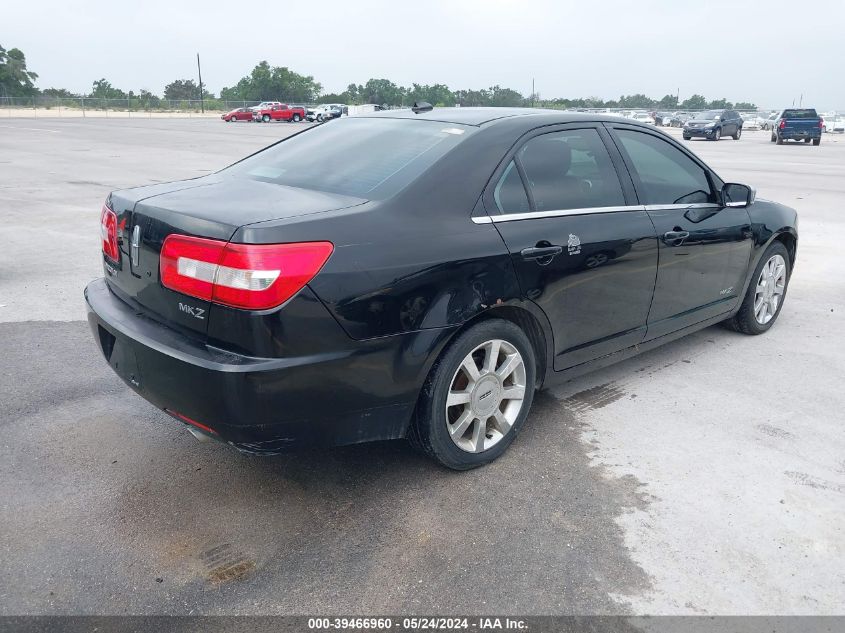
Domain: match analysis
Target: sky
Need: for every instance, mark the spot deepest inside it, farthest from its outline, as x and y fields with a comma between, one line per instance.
x=742, y=50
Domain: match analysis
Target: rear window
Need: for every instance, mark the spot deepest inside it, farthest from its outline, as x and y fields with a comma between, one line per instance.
x=363, y=157
x=806, y=113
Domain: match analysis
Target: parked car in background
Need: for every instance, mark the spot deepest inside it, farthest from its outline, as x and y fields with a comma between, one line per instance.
x=281, y=112
x=798, y=124
x=326, y=112
x=264, y=105
x=239, y=114
x=770, y=121
x=678, y=119
x=750, y=121
x=713, y=125
x=662, y=119
x=420, y=275
x=833, y=122
x=643, y=117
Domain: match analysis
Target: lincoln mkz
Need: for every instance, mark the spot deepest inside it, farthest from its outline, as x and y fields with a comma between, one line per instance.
x=420, y=274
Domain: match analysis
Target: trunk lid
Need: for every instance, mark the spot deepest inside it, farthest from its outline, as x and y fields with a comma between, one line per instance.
x=212, y=207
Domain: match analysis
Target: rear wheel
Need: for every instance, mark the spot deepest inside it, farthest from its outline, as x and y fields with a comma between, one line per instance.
x=778, y=139
x=477, y=396
x=296, y=118
x=817, y=141
x=806, y=140
x=766, y=292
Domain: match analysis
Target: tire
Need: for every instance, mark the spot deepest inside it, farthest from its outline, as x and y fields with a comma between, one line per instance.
x=296, y=118
x=686, y=138
x=817, y=141
x=435, y=424
x=266, y=118
x=738, y=134
x=319, y=118
x=807, y=140
x=778, y=138
x=746, y=320
x=717, y=135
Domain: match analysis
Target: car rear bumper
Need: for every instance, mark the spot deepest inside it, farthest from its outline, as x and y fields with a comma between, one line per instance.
x=799, y=135
x=362, y=393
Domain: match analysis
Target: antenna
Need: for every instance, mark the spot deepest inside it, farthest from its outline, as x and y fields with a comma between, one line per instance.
x=421, y=106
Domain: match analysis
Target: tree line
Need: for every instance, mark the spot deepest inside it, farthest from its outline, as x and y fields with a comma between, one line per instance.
x=267, y=82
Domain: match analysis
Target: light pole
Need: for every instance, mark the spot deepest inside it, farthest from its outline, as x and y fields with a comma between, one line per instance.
x=199, y=72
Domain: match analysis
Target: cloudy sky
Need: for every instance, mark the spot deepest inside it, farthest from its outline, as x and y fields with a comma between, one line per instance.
x=741, y=49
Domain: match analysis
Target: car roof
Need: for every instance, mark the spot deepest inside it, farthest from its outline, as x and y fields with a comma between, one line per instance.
x=484, y=116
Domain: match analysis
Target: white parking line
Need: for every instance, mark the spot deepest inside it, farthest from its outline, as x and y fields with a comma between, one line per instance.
x=34, y=129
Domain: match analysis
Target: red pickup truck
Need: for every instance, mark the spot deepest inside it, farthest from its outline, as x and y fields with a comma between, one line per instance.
x=280, y=112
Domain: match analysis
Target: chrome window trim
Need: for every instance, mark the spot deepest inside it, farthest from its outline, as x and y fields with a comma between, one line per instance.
x=669, y=207
x=559, y=213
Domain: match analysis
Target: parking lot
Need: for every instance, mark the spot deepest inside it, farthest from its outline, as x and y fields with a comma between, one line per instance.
x=705, y=477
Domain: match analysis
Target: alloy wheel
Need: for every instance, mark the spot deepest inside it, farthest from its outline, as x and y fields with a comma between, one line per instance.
x=771, y=284
x=485, y=396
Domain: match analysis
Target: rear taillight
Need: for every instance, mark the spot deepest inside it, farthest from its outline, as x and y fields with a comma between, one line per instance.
x=108, y=231
x=248, y=276
x=782, y=123
x=821, y=123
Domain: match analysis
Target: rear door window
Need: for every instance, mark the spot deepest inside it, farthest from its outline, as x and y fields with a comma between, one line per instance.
x=666, y=174
x=570, y=170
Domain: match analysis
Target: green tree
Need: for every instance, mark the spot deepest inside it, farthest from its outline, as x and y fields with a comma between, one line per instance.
x=267, y=83
x=720, y=104
x=744, y=105
x=59, y=93
x=695, y=102
x=184, y=90
x=382, y=92
x=438, y=94
x=668, y=102
x=15, y=79
x=103, y=89
x=636, y=101
x=504, y=97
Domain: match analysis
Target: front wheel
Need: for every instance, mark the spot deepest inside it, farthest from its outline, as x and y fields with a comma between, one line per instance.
x=738, y=134
x=266, y=118
x=717, y=134
x=477, y=396
x=686, y=138
x=764, y=299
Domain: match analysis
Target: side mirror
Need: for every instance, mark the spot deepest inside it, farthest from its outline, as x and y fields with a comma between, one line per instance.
x=737, y=195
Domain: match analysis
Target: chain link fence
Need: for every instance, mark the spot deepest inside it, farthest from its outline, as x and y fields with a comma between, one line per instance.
x=130, y=106
x=149, y=106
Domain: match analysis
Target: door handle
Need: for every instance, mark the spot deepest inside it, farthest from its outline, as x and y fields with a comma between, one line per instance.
x=541, y=252
x=674, y=238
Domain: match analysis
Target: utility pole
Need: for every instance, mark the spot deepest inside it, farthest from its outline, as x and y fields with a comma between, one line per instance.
x=532, y=92
x=199, y=72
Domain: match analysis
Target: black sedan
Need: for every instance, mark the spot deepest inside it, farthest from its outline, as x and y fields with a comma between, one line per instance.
x=423, y=275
